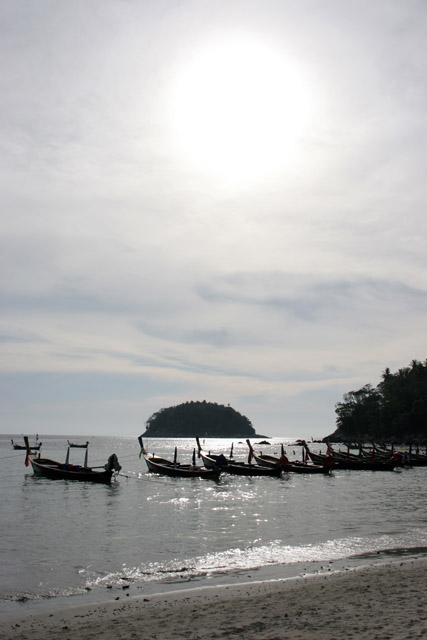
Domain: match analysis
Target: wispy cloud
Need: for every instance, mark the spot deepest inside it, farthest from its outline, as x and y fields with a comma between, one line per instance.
x=306, y=297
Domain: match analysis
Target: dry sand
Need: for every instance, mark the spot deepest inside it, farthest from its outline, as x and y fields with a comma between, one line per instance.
x=372, y=603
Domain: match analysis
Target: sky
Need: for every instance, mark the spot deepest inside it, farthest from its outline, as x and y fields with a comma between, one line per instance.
x=220, y=201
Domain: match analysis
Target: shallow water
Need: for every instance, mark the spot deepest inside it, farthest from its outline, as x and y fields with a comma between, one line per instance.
x=146, y=533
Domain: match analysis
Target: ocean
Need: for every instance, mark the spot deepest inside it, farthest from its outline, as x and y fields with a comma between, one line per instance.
x=64, y=542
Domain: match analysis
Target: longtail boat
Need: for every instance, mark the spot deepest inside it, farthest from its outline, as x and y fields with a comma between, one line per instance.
x=67, y=471
x=211, y=460
x=410, y=458
x=415, y=459
x=169, y=468
x=376, y=462
x=247, y=469
x=235, y=467
x=238, y=468
x=23, y=447
x=163, y=466
x=264, y=460
x=342, y=461
x=293, y=466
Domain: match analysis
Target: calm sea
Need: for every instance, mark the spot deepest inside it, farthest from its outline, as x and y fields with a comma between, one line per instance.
x=145, y=533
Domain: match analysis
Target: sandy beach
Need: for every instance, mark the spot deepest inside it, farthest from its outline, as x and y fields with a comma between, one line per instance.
x=376, y=602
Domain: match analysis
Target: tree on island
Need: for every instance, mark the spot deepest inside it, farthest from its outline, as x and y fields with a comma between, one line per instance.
x=394, y=411
x=192, y=419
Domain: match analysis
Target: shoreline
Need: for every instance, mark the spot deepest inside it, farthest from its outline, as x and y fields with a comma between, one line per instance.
x=385, y=601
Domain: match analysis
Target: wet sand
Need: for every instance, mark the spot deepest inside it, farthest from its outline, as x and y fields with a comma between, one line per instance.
x=372, y=603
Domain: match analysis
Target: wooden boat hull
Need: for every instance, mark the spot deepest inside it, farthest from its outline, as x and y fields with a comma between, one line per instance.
x=59, y=471
x=291, y=466
x=353, y=465
x=244, y=469
x=310, y=468
x=408, y=458
x=266, y=461
x=239, y=468
x=415, y=462
x=168, y=468
x=213, y=461
x=22, y=447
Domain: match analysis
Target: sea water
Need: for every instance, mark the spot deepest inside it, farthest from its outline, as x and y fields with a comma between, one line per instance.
x=145, y=533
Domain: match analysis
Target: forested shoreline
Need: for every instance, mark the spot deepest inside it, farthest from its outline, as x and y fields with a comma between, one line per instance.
x=393, y=411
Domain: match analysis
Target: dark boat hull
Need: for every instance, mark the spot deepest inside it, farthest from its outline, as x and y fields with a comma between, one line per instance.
x=244, y=469
x=168, y=468
x=353, y=465
x=291, y=467
x=302, y=467
x=22, y=447
x=239, y=468
x=58, y=471
x=266, y=461
x=213, y=461
x=415, y=462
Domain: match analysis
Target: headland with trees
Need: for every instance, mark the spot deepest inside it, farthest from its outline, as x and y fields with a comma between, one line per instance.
x=395, y=411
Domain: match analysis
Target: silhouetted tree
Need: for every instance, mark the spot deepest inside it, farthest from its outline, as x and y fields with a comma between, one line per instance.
x=396, y=410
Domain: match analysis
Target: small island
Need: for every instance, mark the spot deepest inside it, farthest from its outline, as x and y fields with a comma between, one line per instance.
x=206, y=419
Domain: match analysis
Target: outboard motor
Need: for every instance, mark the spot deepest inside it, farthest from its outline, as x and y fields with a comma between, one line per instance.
x=113, y=463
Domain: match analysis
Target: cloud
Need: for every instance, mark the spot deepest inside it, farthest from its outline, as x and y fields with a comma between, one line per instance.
x=124, y=267
x=20, y=337
x=218, y=337
x=309, y=299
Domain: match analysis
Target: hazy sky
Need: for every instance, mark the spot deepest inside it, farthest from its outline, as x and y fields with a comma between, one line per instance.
x=220, y=201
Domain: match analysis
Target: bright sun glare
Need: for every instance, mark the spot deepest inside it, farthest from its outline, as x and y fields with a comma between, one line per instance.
x=238, y=110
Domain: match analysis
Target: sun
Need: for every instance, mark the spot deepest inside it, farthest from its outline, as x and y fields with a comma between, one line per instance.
x=238, y=109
